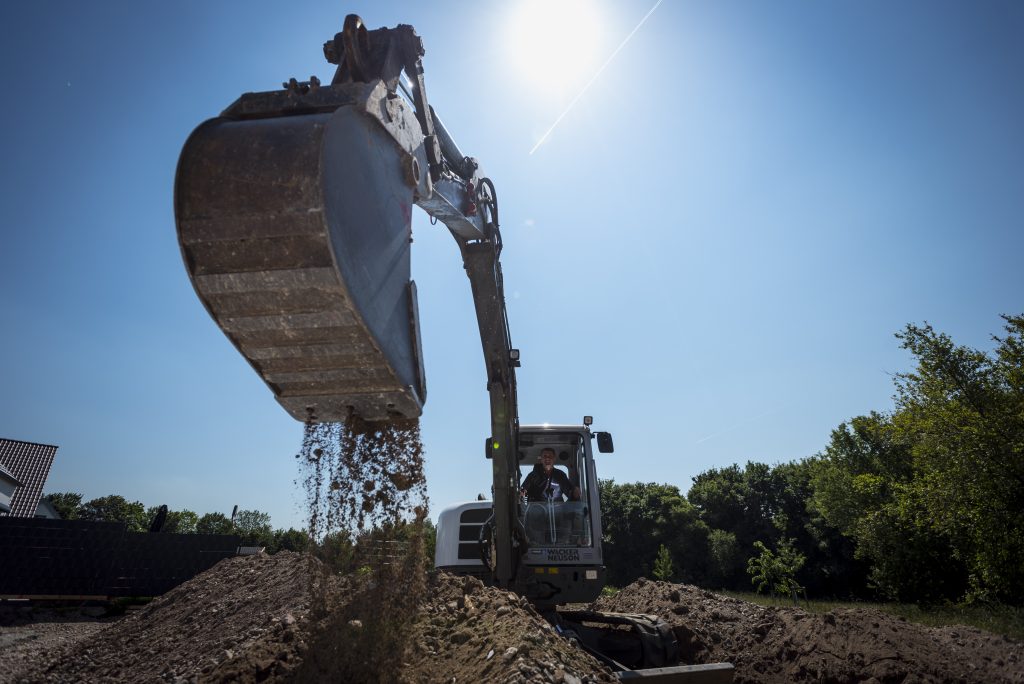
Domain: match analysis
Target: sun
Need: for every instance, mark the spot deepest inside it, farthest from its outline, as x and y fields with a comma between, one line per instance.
x=551, y=45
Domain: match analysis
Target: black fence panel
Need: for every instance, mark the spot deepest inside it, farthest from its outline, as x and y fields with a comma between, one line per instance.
x=41, y=557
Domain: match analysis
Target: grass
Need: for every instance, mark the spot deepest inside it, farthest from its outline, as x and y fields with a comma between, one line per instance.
x=998, y=619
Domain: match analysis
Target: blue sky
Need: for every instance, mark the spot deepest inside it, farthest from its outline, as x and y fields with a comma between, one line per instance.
x=710, y=253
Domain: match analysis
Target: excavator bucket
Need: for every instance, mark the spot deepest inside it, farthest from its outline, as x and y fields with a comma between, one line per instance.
x=293, y=212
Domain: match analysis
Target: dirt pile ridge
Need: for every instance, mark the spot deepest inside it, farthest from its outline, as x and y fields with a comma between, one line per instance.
x=482, y=634
x=193, y=630
x=248, y=619
x=769, y=645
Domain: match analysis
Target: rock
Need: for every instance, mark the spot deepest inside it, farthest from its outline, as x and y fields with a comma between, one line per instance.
x=460, y=637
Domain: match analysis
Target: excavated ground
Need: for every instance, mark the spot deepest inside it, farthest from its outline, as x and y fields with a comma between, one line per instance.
x=769, y=645
x=249, y=619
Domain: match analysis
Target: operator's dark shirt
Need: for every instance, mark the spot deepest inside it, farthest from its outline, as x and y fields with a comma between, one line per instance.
x=541, y=487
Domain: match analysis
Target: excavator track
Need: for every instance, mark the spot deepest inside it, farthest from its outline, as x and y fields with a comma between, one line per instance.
x=638, y=647
x=293, y=215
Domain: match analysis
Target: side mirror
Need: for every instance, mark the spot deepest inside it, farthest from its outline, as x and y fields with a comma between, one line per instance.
x=604, y=442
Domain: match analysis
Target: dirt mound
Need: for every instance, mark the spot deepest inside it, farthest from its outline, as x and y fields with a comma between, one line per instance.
x=196, y=629
x=27, y=630
x=248, y=619
x=769, y=645
x=471, y=633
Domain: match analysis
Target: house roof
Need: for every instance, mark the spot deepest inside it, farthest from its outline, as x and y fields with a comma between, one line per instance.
x=29, y=463
x=4, y=472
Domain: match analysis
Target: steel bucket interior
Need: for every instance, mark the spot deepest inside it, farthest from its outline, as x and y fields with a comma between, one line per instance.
x=295, y=231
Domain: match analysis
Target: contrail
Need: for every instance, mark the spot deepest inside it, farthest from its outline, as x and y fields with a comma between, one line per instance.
x=594, y=77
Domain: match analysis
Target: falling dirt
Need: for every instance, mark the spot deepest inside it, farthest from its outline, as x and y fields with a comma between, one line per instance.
x=362, y=476
x=366, y=498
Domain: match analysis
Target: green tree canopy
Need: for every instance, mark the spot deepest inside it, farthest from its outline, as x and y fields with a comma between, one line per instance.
x=65, y=503
x=180, y=522
x=637, y=519
x=961, y=412
x=776, y=571
x=290, y=540
x=863, y=486
x=254, y=528
x=214, y=523
x=664, y=569
x=115, y=508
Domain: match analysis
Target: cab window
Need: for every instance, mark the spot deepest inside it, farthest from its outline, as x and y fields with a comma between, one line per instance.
x=554, y=507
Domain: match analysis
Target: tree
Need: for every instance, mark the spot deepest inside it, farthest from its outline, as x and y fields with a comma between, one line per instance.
x=756, y=503
x=725, y=560
x=663, y=569
x=65, y=503
x=114, y=508
x=254, y=528
x=720, y=497
x=182, y=522
x=178, y=522
x=637, y=519
x=776, y=571
x=290, y=540
x=962, y=412
x=750, y=503
x=214, y=523
x=863, y=486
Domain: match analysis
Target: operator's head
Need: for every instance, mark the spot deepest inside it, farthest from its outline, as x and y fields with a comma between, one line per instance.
x=547, y=457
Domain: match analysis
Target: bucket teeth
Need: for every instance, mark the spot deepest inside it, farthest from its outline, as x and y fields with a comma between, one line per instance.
x=295, y=231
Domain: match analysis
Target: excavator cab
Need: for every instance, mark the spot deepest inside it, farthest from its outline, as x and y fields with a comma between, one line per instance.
x=560, y=560
x=559, y=511
x=555, y=508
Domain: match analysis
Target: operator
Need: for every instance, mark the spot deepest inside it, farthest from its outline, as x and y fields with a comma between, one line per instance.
x=549, y=483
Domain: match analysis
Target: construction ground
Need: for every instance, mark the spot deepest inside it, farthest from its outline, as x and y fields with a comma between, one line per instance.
x=252, y=619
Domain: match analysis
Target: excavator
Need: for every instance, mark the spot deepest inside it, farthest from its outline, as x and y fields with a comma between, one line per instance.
x=294, y=218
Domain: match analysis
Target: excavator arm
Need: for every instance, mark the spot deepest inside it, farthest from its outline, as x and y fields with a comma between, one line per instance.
x=294, y=215
x=294, y=212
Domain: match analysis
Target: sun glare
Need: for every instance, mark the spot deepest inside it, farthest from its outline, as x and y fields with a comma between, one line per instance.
x=553, y=45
